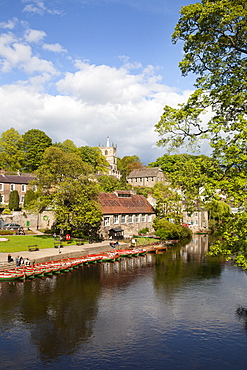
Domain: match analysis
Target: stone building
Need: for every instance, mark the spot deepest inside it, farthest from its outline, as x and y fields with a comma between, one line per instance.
x=10, y=181
x=110, y=153
x=146, y=176
x=124, y=214
x=196, y=221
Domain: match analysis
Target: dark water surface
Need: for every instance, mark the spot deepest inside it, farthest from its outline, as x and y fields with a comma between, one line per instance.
x=176, y=310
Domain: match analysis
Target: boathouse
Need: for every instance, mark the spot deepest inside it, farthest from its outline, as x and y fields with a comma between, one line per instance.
x=124, y=214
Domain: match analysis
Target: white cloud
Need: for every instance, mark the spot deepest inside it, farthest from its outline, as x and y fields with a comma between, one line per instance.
x=38, y=7
x=34, y=7
x=97, y=101
x=34, y=36
x=16, y=54
x=9, y=24
x=56, y=48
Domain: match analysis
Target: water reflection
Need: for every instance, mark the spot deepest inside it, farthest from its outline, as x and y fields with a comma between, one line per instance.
x=116, y=315
x=57, y=311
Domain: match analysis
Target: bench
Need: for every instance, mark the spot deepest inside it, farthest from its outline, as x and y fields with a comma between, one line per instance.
x=33, y=248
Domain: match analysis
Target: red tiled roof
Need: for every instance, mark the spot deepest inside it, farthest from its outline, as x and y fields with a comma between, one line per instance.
x=112, y=204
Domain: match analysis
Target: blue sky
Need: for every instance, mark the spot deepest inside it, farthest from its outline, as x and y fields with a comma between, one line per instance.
x=87, y=69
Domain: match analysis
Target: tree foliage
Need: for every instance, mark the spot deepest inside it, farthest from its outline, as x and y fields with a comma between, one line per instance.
x=34, y=144
x=168, y=231
x=214, y=33
x=168, y=203
x=66, y=186
x=30, y=198
x=127, y=164
x=68, y=146
x=14, y=200
x=109, y=184
x=11, y=150
x=94, y=157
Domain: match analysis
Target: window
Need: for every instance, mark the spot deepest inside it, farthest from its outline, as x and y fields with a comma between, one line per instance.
x=106, y=221
x=23, y=188
x=115, y=219
x=1, y=186
x=130, y=219
x=140, y=179
x=34, y=187
x=143, y=218
x=137, y=219
x=123, y=219
x=12, y=187
x=195, y=214
x=2, y=198
x=106, y=152
x=22, y=199
x=149, y=218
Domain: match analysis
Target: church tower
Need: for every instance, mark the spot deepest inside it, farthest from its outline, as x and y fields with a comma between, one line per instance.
x=110, y=153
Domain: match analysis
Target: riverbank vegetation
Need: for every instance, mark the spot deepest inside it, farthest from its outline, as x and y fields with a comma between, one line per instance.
x=214, y=34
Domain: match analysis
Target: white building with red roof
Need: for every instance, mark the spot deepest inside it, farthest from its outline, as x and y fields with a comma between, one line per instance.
x=124, y=214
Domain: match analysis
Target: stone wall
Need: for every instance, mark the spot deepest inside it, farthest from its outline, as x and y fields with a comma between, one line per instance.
x=42, y=220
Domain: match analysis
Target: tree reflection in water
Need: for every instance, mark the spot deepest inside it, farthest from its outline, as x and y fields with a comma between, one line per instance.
x=57, y=314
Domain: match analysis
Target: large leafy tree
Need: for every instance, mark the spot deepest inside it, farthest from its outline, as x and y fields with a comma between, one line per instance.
x=65, y=184
x=214, y=33
x=195, y=176
x=127, y=164
x=34, y=144
x=109, y=184
x=168, y=203
x=11, y=150
x=68, y=146
x=94, y=157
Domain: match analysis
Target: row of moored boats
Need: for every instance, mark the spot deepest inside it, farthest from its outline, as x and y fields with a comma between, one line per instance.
x=65, y=265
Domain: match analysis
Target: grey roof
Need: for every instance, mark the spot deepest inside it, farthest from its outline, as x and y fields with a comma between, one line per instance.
x=24, y=178
x=145, y=172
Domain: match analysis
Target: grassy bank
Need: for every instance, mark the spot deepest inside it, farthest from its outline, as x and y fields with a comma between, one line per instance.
x=18, y=243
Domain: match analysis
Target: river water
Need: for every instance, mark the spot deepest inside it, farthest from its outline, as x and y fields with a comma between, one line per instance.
x=175, y=310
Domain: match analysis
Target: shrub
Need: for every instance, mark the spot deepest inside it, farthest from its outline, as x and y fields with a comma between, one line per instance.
x=7, y=211
x=168, y=231
x=7, y=232
x=144, y=231
x=14, y=200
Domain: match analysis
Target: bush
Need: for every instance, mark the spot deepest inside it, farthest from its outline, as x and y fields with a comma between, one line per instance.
x=168, y=231
x=144, y=231
x=7, y=232
x=7, y=211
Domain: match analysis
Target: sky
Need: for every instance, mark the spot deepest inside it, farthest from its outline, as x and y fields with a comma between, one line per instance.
x=87, y=69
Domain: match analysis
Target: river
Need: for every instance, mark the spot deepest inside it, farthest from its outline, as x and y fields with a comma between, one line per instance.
x=175, y=310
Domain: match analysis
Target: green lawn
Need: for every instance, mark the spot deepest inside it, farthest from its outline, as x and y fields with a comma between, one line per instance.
x=19, y=243
x=143, y=241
